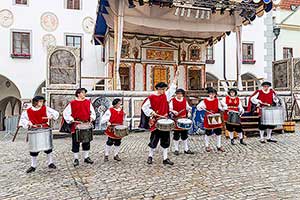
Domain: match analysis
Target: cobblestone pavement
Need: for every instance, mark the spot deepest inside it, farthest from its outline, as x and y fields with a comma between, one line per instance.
x=258, y=171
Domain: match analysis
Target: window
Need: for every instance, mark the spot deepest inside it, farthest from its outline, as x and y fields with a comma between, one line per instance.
x=124, y=78
x=194, y=79
x=210, y=55
x=74, y=41
x=21, y=44
x=21, y=2
x=248, y=53
x=287, y=53
x=160, y=74
x=195, y=53
x=73, y=4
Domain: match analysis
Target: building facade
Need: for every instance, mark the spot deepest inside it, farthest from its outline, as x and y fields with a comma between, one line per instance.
x=27, y=29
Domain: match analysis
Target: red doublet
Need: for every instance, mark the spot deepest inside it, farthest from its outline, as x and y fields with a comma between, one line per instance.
x=38, y=117
x=81, y=111
x=232, y=104
x=264, y=97
x=159, y=104
x=212, y=106
x=179, y=106
x=116, y=118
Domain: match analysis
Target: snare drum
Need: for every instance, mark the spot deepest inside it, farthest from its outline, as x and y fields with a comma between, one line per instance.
x=272, y=116
x=121, y=131
x=165, y=125
x=234, y=117
x=214, y=119
x=84, y=132
x=184, y=123
x=40, y=139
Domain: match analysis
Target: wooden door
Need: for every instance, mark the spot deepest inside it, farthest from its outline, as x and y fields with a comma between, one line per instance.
x=160, y=74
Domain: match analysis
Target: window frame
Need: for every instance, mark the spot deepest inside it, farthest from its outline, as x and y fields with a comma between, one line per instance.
x=66, y=5
x=12, y=45
x=210, y=61
x=18, y=4
x=75, y=35
x=248, y=61
x=287, y=48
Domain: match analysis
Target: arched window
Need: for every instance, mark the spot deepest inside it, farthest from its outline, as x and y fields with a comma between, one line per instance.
x=194, y=52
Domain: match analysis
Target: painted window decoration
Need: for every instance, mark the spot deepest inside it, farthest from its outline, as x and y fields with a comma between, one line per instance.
x=160, y=74
x=125, y=49
x=21, y=2
x=210, y=55
x=74, y=41
x=20, y=45
x=248, y=53
x=287, y=52
x=195, y=52
x=124, y=78
x=73, y=4
x=194, y=76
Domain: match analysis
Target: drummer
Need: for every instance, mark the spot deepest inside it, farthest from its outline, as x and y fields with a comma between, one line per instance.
x=212, y=105
x=233, y=103
x=77, y=111
x=113, y=116
x=181, y=109
x=261, y=98
x=35, y=117
x=155, y=107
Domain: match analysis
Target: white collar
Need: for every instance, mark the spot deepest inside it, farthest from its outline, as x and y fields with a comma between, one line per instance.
x=267, y=92
x=209, y=99
x=119, y=109
x=179, y=100
x=35, y=109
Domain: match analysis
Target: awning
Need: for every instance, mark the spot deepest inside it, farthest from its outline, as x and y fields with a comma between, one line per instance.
x=201, y=20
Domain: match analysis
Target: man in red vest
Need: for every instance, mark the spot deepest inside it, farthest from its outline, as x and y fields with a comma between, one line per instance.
x=155, y=106
x=212, y=106
x=233, y=103
x=113, y=116
x=35, y=117
x=264, y=97
x=181, y=109
x=79, y=110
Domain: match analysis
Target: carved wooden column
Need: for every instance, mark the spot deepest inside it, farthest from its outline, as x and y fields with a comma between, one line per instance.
x=145, y=76
x=186, y=77
x=203, y=76
x=132, y=76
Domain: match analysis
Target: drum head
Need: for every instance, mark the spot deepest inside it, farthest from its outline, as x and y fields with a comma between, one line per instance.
x=185, y=121
x=121, y=127
x=165, y=121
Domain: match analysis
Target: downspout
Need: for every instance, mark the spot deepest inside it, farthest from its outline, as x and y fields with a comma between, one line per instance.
x=224, y=61
x=274, y=46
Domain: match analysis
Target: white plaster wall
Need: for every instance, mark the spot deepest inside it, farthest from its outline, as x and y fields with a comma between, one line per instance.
x=252, y=33
x=28, y=74
x=288, y=37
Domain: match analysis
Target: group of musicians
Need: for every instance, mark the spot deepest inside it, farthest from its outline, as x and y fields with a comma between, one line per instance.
x=166, y=101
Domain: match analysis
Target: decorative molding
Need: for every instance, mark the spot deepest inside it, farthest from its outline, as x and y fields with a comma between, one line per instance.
x=6, y=18
x=49, y=21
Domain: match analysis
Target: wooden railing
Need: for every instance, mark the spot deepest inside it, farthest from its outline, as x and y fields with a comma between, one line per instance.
x=222, y=85
x=95, y=82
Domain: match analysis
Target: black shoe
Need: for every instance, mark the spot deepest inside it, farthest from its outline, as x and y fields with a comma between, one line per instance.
x=117, y=158
x=31, y=169
x=88, y=160
x=76, y=163
x=242, y=142
x=52, y=166
x=221, y=149
x=188, y=152
x=149, y=161
x=176, y=153
x=271, y=140
x=232, y=142
x=105, y=158
x=168, y=162
x=262, y=141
